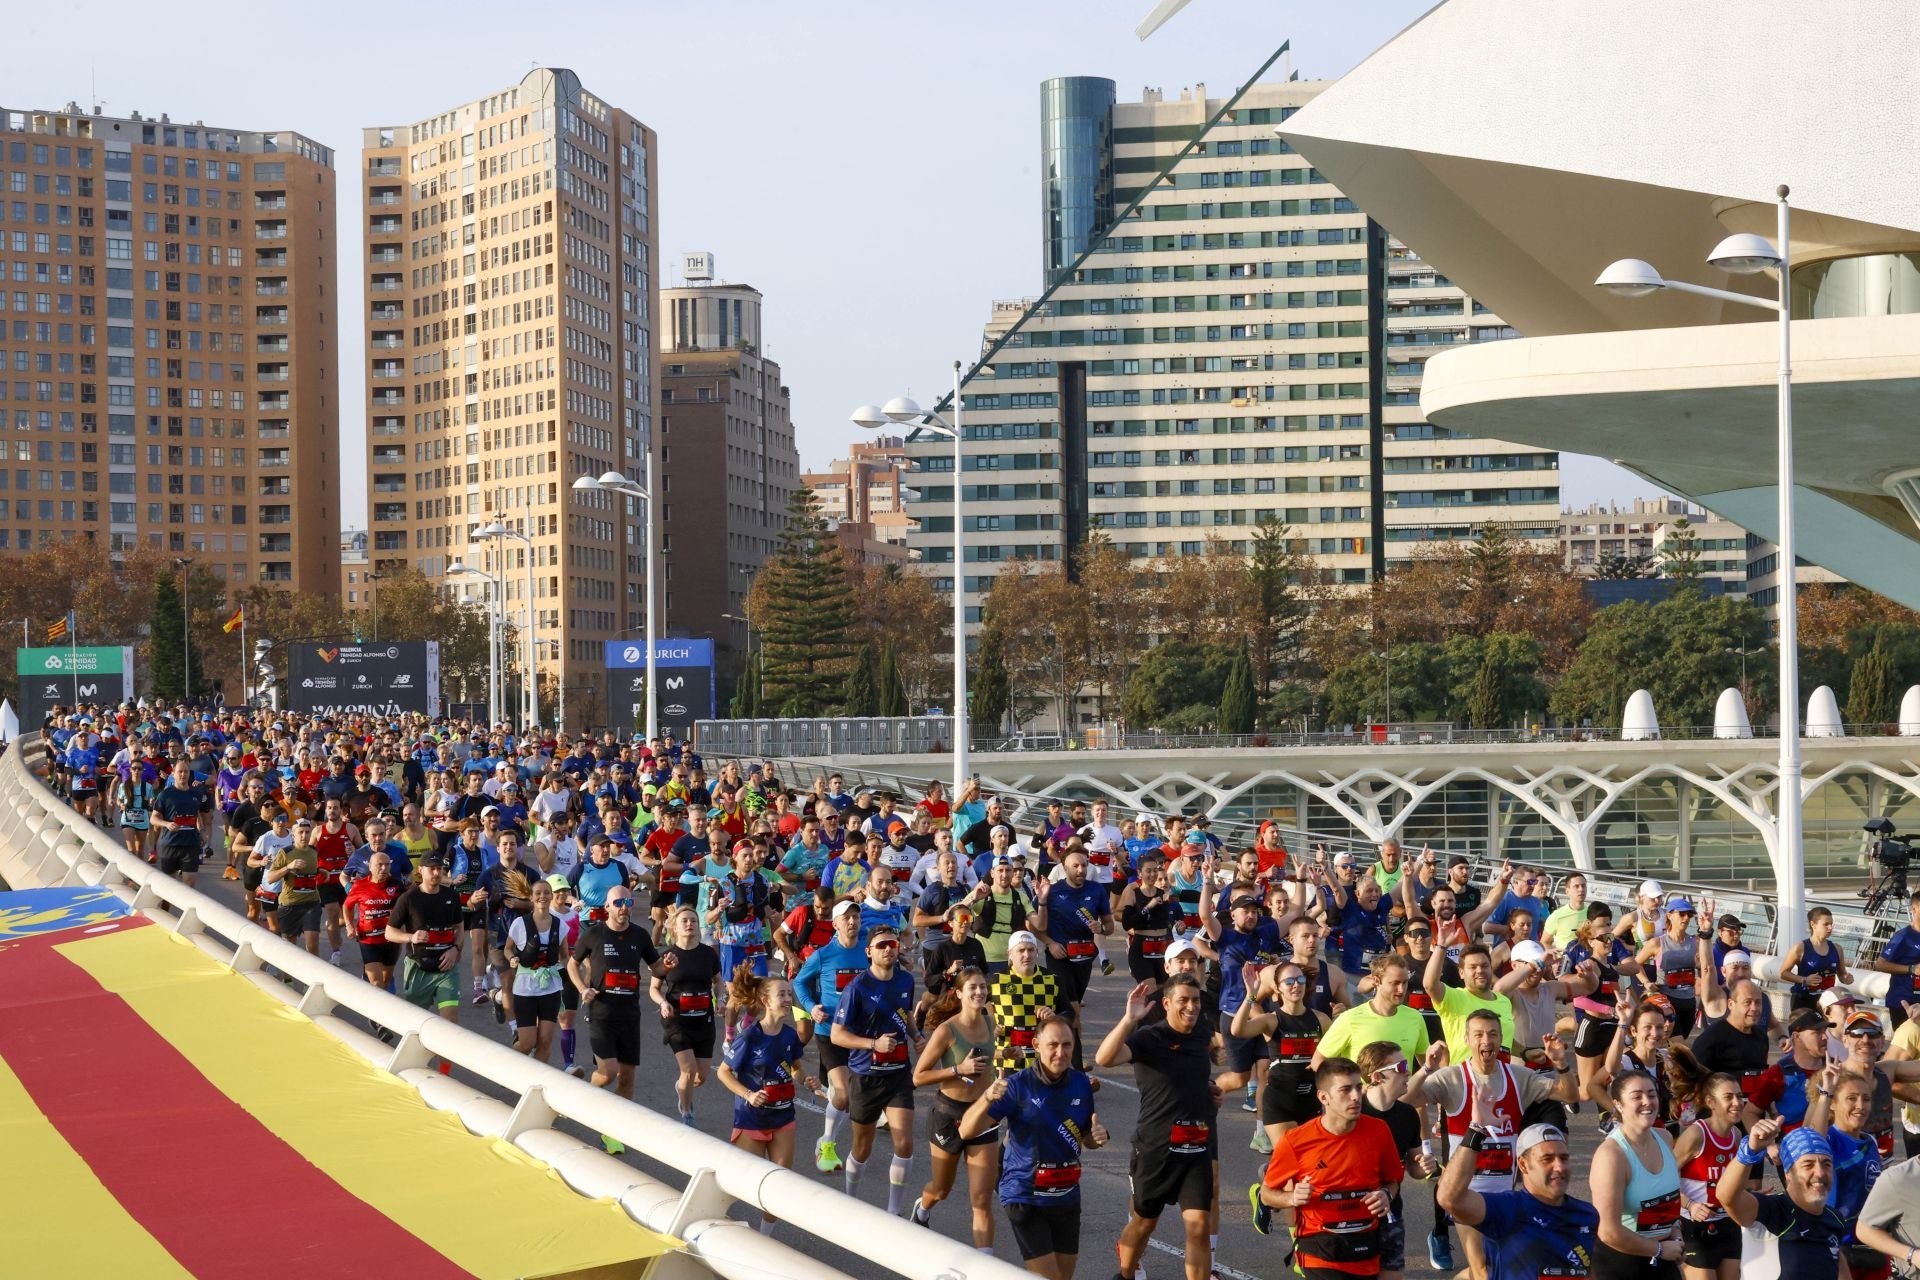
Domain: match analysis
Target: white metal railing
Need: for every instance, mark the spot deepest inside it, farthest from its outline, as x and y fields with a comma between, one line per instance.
x=44, y=842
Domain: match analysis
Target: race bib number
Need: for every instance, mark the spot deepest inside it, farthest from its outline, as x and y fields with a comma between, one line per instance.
x=1081, y=950
x=1153, y=948
x=779, y=1095
x=621, y=982
x=841, y=977
x=1056, y=1178
x=1658, y=1213
x=896, y=1056
x=698, y=1004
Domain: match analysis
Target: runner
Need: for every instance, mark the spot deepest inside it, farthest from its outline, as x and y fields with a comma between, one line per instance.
x=368, y=905
x=958, y=1060
x=536, y=950
x=737, y=912
x=333, y=840
x=1814, y=964
x=1593, y=1013
x=136, y=794
x=1293, y=1033
x=1710, y=1240
x=817, y=988
x=1072, y=911
x=1049, y=1118
x=1533, y=1232
x=1002, y=907
x=685, y=988
x=1174, y=1148
x=1842, y=1109
x=1456, y=1004
x=1736, y=1044
x=1635, y=1179
x=1248, y=942
x=1386, y=1015
x=297, y=870
x=1148, y=913
x=1387, y=1074
x=1676, y=959
x=263, y=895
x=606, y=966
x=179, y=806
x=598, y=876
x=764, y=1061
x=426, y=918
x=568, y=910
x=1023, y=996
x=1340, y=1173
x=872, y=1025
x=1806, y=1230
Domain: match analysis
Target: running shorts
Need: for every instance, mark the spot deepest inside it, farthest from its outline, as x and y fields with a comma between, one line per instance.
x=944, y=1128
x=429, y=988
x=1160, y=1180
x=1043, y=1229
x=879, y=1092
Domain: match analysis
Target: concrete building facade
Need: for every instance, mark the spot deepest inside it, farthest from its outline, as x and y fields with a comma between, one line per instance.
x=168, y=353
x=511, y=347
x=728, y=461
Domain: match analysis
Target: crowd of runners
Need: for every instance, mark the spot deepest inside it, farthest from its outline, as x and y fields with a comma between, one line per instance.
x=1387, y=1019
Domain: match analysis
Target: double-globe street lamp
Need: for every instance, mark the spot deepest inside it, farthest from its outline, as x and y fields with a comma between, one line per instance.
x=902, y=411
x=618, y=482
x=531, y=677
x=1749, y=254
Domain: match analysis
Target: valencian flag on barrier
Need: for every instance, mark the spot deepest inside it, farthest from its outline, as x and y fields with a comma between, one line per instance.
x=60, y=629
x=255, y=1095
x=238, y=620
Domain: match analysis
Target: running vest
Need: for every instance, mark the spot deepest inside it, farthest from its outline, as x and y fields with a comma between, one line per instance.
x=1700, y=1175
x=1320, y=988
x=1651, y=1206
x=1677, y=964
x=330, y=849
x=1295, y=1038
x=371, y=907
x=541, y=953
x=1820, y=972
x=1493, y=1163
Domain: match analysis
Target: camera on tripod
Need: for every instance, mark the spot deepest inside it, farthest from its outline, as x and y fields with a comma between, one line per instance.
x=1891, y=855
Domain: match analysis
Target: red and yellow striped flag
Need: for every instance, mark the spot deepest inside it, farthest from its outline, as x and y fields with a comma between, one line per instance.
x=238, y=619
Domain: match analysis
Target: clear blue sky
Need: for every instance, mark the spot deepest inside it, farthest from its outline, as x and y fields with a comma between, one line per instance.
x=868, y=165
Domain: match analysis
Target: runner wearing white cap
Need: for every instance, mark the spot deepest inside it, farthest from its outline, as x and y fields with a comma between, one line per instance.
x=1643, y=922
x=1536, y=997
x=1022, y=997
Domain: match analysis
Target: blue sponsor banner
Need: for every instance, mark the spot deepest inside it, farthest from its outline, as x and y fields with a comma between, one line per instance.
x=683, y=672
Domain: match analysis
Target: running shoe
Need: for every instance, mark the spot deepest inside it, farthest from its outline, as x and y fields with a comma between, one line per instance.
x=1248, y=1105
x=1261, y=1142
x=1440, y=1252
x=1262, y=1215
x=577, y=1072
x=479, y=993
x=919, y=1215
x=499, y=1008
x=1106, y=967
x=614, y=1146
x=826, y=1156
x=336, y=957
x=686, y=1118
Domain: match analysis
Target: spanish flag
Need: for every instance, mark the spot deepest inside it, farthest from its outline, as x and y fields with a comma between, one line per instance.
x=61, y=629
x=238, y=620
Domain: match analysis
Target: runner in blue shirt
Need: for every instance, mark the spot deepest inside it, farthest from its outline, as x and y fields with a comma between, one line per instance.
x=761, y=1066
x=1070, y=912
x=817, y=987
x=1537, y=1231
x=1900, y=957
x=1049, y=1118
x=874, y=1024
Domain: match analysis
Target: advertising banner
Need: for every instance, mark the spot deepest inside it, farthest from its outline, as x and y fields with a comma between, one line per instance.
x=59, y=676
x=364, y=679
x=683, y=670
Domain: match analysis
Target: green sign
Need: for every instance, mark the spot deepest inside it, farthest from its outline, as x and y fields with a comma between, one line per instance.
x=102, y=660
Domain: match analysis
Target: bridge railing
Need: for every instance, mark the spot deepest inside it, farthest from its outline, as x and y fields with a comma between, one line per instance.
x=44, y=842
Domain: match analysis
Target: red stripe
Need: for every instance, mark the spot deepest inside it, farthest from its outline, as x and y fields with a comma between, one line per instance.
x=173, y=1149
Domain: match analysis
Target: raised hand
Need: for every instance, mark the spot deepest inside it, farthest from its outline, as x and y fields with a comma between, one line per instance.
x=1436, y=1055
x=1140, y=1000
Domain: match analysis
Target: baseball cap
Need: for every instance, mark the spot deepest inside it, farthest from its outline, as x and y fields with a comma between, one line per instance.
x=1737, y=957
x=1679, y=903
x=1147, y=818
x=433, y=860
x=1529, y=952
x=1002, y=860
x=1244, y=901
x=1651, y=889
x=843, y=906
x=1806, y=1020
x=1535, y=1134
x=1458, y=860
x=492, y=808
x=1194, y=839
x=1864, y=1023
x=303, y=822
x=559, y=883
x=1830, y=998
x=1180, y=947
x=1023, y=938
x=880, y=927
x=1731, y=921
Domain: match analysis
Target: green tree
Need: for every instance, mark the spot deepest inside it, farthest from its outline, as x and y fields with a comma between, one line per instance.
x=1357, y=691
x=1683, y=650
x=893, y=690
x=989, y=693
x=861, y=699
x=746, y=689
x=167, y=651
x=1176, y=674
x=1871, y=698
x=1236, y=699
x=803, y=603
x=1280, y=608
x=1616, y=566
x=1680, y=557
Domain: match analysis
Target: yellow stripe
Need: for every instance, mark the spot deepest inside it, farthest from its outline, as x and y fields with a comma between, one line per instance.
x=65, y=1222
x=365, y=1129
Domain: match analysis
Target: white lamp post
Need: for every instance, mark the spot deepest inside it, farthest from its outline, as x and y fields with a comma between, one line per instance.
x=1747, y=254
x=617, y=482
x=531, y=680
x=493, y=636
x=901, y=411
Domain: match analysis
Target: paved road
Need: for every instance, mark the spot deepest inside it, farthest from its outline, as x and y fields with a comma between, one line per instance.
x=1243, y=1253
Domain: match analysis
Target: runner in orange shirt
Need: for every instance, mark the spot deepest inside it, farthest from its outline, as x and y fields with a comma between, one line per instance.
x=1338, y=1172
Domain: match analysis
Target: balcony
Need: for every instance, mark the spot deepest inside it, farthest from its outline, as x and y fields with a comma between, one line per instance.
x=271, y=287
x=276, y=487
x=384, y=198
x=389, y=455
x=384, y=225
x=392, y=541
x=389, y=486
x=270, y=260
x=387, y=311
x=389, y=512
x=277, y=374
x=389, y=368
x=269, y=201
x=384, y=255
x=276, y=543
x=269, y=231
x=274, y=342
x=276, y=571
x=383, y=168
x=391, y=398
x=385, y=284
x=269, y=315
x=280, y=431
x=276, y=457
x=387, y=342
x=273, y=402
x=389, y=427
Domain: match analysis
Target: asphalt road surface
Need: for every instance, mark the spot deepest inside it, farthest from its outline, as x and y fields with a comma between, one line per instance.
x=1242, y=1253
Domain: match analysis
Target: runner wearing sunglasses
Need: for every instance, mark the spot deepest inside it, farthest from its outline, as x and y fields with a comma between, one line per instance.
x=873, y=1024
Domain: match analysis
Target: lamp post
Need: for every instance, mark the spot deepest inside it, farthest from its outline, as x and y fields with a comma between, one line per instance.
x=531, y=681
x=901, y=411
x=186, y=634
x=493, y=636
x=747, y=622
x=618, y=482
x=1749, y=254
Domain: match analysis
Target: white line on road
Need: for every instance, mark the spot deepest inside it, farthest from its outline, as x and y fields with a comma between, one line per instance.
x=1219, y=1268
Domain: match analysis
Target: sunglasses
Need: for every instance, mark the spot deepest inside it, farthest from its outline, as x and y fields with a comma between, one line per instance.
x=1293, y=982
x=619, y=902
x=884, y=944
x=1392, y=1069
x=1865, y=1035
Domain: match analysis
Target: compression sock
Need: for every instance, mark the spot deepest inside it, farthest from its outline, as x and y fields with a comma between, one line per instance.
x=836, y=1122
x=897, y=1174
x=854, y=1168
x=566, y=1046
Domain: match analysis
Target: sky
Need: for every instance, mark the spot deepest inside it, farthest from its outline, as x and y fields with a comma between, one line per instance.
x=871, y=166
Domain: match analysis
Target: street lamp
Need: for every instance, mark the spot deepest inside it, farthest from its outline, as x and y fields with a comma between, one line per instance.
x=182, y=563
x=1748, y=254
x=901, y=411
x=532, y=679
x=493, y=636
x=618, y=482
x=747, y=622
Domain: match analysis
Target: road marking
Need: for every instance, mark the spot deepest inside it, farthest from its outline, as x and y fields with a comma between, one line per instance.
x=1219, y=1268
x=1106, y=1081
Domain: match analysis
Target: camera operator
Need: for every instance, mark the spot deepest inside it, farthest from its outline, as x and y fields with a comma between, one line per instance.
x=1900, y=957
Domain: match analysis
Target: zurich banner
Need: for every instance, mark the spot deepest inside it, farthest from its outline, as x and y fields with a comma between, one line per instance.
x=683, y=669
x=364, y=679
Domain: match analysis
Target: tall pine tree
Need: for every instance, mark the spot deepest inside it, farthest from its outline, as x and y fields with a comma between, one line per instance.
x=807, y=647
x=1236, y=700
x=166, y=645
x=893, y=690
x=989, y=689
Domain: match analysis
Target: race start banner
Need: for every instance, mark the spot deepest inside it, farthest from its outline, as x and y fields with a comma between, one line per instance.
x=59, y=676
x=683, y=669
x=364, y=679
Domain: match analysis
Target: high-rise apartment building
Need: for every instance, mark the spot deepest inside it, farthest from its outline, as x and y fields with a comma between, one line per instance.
x=868, y=488
x=511, y=349
x=168, y=360
x=1220, y=356
x=728, y=463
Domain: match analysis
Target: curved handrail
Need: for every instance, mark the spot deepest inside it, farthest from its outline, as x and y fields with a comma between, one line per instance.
x=43, y=841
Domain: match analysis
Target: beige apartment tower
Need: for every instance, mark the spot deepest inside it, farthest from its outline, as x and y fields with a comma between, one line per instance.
x=168, y=358
x=511, y=349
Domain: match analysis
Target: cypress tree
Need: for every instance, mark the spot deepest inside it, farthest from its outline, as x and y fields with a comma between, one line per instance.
x=807, y=636
x=893, y=690
x=1236, y=700
x=861, y=697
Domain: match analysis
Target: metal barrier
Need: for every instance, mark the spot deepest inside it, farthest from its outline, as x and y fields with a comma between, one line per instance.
x=834, y=736
x=44, y=842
